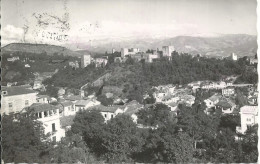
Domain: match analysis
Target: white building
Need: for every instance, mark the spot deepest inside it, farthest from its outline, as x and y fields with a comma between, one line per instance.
x=249, y=116
x=68, y=108
x=151, y=57
x=228, y=91
x=131, y=51
x=167, y=50
x=85, y=104
x=43, y=99
x=109, y=112
x=49, y=115
x=212, y=101
x=15, y=98
x=85, y=60
x=233, y=56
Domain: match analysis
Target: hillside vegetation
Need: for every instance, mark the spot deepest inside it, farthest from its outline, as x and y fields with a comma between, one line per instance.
x=38, y=49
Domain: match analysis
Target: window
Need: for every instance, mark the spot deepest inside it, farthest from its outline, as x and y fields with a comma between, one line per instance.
x=112, y=115
x=248, y=119
x=45, y=113
x=26, y=102
x=105, y=115
x=54, y=139
x=10, y=105
x=40, y=115
x=53, y=127
x=50, y=112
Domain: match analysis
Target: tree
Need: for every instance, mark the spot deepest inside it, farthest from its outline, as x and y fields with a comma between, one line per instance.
x=71, y=149
x=121, y=139
x=196, y=123
x=23, y=140
x=249, y=145
x=90, y=125
x=156, y=115
x=104, y=100
x=178, y=148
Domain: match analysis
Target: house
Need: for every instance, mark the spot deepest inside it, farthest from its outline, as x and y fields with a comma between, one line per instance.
x=249, y=115
x=74, y=64
x=73, y=98
x=226, y=106
x=253, y=61
x=85, y=104
x=27, y=66
x=252, y=100
x=228, y=91
x=173, y=106
x=12, y=59
x=68, y=108
x=43, y=99
x=108, y=112
x=15, y=98
x=61, y=92
x=37, y=84
x=189, y=100
x=49, y=115
x=212, y=101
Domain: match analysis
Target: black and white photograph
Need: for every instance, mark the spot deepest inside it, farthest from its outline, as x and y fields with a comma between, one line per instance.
x=129, y=81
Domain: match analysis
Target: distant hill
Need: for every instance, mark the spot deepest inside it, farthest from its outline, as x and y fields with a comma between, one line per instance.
x=223, y=45
x=38, y=49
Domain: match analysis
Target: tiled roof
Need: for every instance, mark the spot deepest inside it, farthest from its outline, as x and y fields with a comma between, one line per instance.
x=17, y=90
x=224, y=104
x=82, y=102
x=44, y=96
x=214, y=97
x=37, y=107
x=133, y=107
x=73, y=98
x=66, y=103
x=110, y=109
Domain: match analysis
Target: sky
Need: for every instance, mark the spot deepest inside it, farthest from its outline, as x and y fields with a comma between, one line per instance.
x=84, y=21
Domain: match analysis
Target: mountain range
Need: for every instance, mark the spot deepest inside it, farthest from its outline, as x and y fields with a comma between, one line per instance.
x=217, y=46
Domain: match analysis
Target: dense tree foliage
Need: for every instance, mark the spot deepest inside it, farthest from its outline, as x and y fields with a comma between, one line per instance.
x=22, y=140
x=121, y=139
x=72, y=149
x=157, y=115
x=17, y=72
x=90, y=124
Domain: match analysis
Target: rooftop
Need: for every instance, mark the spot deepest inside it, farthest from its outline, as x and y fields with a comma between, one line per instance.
x=38, y=107
x=111, y=109
x=66, y=103
x=82, y=102
x=44, y=96
x=16, y=90
x=214, y=97
x=249, y=110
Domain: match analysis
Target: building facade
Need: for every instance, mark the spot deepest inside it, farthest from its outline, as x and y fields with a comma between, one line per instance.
x=249, y=115
x=85, y=60
x=15, y=98
x=167, y=50
x=49, y=115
